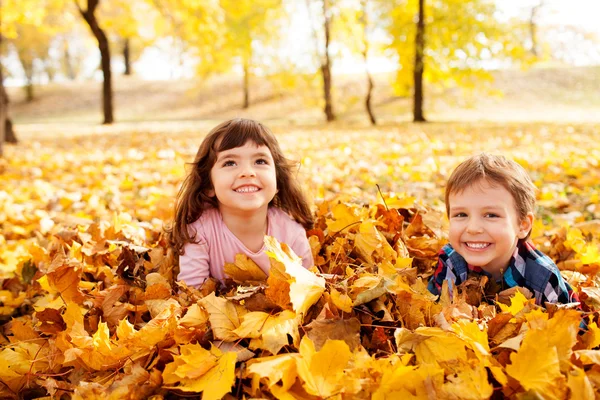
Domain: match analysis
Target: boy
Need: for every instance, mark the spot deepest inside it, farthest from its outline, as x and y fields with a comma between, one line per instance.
x=490, y=202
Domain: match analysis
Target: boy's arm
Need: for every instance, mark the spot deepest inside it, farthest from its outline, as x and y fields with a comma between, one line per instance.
x=439, y=275
x=558, y=291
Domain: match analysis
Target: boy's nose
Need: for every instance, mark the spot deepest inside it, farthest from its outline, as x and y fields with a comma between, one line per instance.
x=474, y=226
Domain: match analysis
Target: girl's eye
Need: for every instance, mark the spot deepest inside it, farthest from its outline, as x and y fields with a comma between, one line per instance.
x=459, y=215
x=491, y=215
x=228, y=163
x=262, y=161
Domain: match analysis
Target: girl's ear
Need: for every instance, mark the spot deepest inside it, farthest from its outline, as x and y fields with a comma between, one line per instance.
x=526, y=225
x=210, y=192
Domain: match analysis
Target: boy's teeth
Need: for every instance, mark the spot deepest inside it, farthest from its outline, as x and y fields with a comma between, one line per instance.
x=247, y=189
x=477, y=245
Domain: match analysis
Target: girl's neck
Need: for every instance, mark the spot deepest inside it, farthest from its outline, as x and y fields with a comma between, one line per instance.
x=249, y=228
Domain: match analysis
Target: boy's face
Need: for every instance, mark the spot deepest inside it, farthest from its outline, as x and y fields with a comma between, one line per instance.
x=485, y=227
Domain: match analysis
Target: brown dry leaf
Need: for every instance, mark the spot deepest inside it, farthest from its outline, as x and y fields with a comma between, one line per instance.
x=347, y=330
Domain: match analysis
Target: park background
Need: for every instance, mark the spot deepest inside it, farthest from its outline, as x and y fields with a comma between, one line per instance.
x=378, y=101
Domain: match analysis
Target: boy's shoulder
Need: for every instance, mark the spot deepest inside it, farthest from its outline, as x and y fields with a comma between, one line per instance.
x=534, y=266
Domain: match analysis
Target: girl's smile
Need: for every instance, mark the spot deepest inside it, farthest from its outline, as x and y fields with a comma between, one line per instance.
x=244, y=179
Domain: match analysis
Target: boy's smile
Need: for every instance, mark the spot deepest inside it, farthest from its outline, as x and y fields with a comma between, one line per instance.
x=485, y=227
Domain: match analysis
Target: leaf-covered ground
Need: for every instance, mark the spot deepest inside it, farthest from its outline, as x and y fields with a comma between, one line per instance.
x=89, y=307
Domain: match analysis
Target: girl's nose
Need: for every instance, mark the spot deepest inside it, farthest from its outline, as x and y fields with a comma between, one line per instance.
x=247, y=172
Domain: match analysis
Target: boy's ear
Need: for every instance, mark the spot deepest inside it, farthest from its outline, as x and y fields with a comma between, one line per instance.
x=526, y=225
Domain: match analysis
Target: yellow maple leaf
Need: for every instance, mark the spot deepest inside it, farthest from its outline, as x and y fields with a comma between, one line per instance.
x=367, y=288
x=243, y=269
x=594, y=335
x=199, y=370
x=341, y=300
x=476, y=338
x=470, y=383
x=536, y=365
x=441, y=346
x=517, y=303
x=579, y=384
x=370, y=241
x=224, y=316
x=305, y=287
x=269, y=332
x=321, y=371
x=195, y=316
x=588, y=357
x=274, y=369
x=344, y=217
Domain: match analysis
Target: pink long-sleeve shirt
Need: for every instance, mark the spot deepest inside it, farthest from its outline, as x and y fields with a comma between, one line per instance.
x=217, y=245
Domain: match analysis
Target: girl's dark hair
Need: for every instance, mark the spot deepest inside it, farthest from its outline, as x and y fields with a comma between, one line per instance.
x=192, y=198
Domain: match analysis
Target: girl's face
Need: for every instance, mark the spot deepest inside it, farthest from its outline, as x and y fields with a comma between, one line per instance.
x=244, y=179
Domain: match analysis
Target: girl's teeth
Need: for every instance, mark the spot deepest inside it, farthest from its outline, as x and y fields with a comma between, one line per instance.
x=247, y=189
x=478, y=245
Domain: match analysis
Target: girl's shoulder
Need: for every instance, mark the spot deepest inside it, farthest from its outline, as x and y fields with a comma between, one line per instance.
x=209, y=216
x=281, y=222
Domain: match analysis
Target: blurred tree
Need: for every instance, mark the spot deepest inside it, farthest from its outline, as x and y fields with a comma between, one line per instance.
x=353, y=28
x=3, y=106
x=12, y=15
x=321, y=14
x=248, y=26
x=447, y=43
x=193, y=26
x=32, y=37
x=365, y=28
x=533, y=26
x=129, y=24
x=90, y=17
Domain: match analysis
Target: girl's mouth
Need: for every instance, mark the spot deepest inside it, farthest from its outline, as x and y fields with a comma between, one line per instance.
x=247, y=189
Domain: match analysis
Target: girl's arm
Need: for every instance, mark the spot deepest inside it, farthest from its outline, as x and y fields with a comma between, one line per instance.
x=194, y=264
x=302, y=249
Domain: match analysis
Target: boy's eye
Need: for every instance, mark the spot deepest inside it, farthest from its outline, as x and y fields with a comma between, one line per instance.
x=459, y=215
x=491, y=215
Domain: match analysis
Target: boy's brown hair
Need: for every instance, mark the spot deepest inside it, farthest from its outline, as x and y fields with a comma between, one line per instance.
x=496, y=170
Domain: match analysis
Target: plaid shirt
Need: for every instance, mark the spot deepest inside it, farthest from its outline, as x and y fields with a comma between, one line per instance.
x=528, y=268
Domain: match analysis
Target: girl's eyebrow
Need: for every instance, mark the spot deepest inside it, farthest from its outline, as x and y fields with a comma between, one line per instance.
x=236, y=156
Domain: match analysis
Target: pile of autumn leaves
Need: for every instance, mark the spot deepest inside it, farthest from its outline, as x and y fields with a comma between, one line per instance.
x=97, y=314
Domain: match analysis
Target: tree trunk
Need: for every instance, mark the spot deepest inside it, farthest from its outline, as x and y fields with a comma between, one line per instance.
x=29, y=90
x=365, y=53
x=3, y=110
x=419, y=65
x=246, y=85
x=127, y=57
x=533, y=27
x=69, y=70
x=90, y=18
x=326, y=65
x=24, y=56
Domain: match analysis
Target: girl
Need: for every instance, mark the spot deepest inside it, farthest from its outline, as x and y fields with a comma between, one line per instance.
x=240, y=188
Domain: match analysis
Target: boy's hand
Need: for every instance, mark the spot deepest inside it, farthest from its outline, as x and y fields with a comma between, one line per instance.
x=505, y=295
